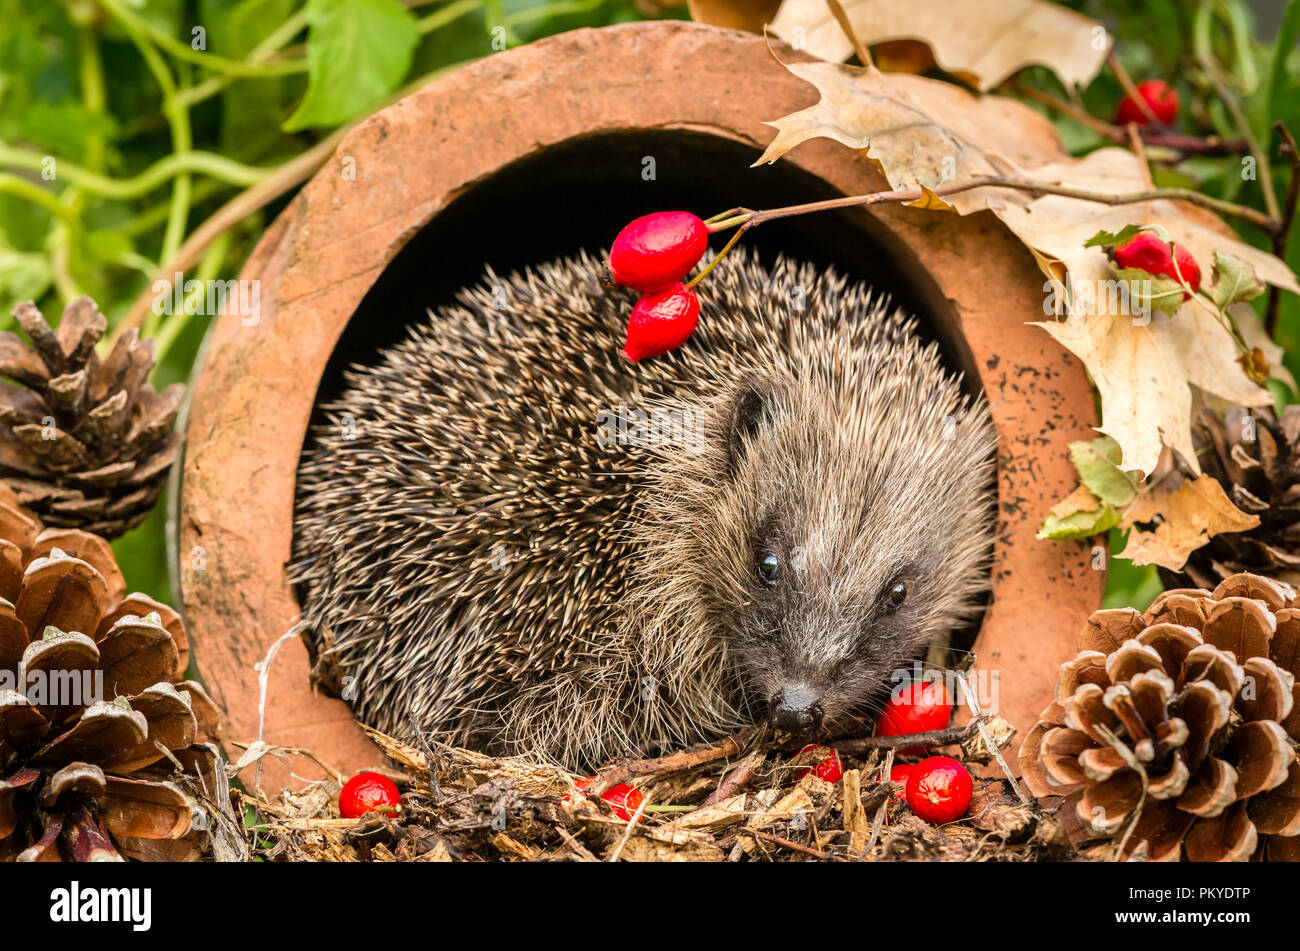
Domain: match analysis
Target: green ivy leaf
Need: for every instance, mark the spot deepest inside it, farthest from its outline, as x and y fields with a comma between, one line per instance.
x=357, y=53
x=1153, y=291
x=64, y=127
x=1107, y=239
x=1079, y=524
x=1098, y=465
x=1234, y=281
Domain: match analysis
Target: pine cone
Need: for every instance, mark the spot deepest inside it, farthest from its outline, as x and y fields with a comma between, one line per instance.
x=1256, y=458
x=84, y=443
x=1199, y=696
x=90, y=719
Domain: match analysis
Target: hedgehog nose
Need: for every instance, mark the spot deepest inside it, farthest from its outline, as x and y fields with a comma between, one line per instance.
x=795, y=709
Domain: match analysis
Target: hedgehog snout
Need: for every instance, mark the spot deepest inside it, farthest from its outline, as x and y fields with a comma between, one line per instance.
x=796, y=708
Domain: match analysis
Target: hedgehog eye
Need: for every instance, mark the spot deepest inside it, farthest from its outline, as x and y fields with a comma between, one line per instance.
x=896, y=595
x=768, y=566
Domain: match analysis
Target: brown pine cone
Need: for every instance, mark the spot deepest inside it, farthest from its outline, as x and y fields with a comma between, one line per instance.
x=84, y=442
x=1177, y=730
x=1255, y=456
x=90, y=716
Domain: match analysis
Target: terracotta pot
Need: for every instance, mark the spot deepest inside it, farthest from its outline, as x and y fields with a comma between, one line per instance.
x=531, y=153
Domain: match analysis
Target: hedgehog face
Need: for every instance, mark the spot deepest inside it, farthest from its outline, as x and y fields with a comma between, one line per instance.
x=864, y=535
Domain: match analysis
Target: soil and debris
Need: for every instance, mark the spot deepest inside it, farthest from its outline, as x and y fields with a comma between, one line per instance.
x=750, y=797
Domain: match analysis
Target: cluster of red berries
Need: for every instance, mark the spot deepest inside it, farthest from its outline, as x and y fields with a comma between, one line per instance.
x=938, y=789
x=652, y=255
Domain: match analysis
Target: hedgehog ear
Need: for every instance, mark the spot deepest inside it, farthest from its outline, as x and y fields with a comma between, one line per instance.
x=751, y=412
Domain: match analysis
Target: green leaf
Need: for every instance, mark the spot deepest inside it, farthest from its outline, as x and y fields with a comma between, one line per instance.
x=108, y=246
x=1106, y=239
x=1151, y=291
x=1098, y=465
x=1079, y=524
x=357, y=53
x=22, y=277
x=1234, y=281
x=252, y=109
x=1279, y=78
x=64, y=127
x=164, y=14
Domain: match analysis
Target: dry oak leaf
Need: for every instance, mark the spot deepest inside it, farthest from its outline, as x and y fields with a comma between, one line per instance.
x=1191, y=514
x=983, y=43
x=922, y=132
x=918, y=131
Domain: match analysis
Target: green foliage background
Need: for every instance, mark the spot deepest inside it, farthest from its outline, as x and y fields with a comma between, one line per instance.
x=157, y=112
x=112, y=88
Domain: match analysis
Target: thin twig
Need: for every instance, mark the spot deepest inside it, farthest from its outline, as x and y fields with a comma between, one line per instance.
x=1211, y=145
x=876, y=824
x=1131, y=760
x=1135, y=143
x=732, y=783
x=616, y=773
x=627, y=832
x=842, y=18
x=793, y=846
x=579, y=849
x=263, y=669
x=1292, y=154
x=748, y=218
x=929, y=738
x=1264, y=172
x=882, y=810
x=980, y=723
x=1130, y=89
x=430, y=759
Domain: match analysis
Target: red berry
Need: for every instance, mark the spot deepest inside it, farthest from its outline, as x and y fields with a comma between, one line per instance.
x=900, y=774
x=830, y=769
x=915, y=708
x=623, y=799
x=657, y=249
x=368, y=792
x=1161, y=97
x=939, y=789
x=662, y=320
x=1147, y=252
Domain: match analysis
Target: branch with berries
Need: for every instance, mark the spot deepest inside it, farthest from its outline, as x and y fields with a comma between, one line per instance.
x=654, y=253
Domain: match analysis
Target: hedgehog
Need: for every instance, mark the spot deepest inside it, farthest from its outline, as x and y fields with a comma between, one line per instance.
x=510, y=536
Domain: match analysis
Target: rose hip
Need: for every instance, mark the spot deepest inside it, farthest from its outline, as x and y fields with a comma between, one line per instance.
x=830, y=769
x=662, y=320
x=368, y=792
x=1145, y=251
x=658, y=249
x=1159, y=96
x=939, y=790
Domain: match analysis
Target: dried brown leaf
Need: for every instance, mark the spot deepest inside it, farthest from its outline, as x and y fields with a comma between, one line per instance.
x=982, y=43
x=1192, y=514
